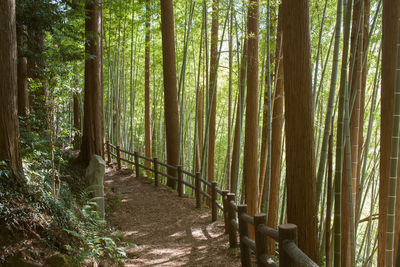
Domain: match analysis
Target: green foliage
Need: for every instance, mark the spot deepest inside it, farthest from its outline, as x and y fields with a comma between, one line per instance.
x=68, y=223
x=97, y=242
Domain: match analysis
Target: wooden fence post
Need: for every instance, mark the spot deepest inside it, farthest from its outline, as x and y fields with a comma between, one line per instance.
x=260, y=240
x=214, y=211
x=231, y=217
x=180, y=184
x=243, y=232
x=287, y=232
x=135, y=154
x=225, y=211
x=197, y=190
x=155, y=166
x=118, y=158
x=108, y=152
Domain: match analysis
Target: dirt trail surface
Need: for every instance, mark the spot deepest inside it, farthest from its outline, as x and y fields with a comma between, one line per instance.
x=168, y=230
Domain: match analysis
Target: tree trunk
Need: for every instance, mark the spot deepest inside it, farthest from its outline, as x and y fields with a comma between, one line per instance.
x=93, y=134
x=35, y=69
x=300, y=161
x=199, y=129
x=229, y=145
x=170, y=91
x=367, y=7
x=212, y=93
x=276, y=149
x=23, y=97
x=238, y=123
x=356, y=48
x=147, y=129
x=389, y=33
x=77, y=120
x=250, y=160
x=9, y=129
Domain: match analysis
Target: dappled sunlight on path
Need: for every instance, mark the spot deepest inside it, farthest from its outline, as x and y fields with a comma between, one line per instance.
x=167, y=229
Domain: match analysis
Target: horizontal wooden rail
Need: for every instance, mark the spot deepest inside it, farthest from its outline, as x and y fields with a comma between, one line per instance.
x=126, y=152
x=167, y=165
x=189, y=185
x=144, y=157
x=236, y=218
x=189, y=174
x=247, y=218
x=267, y=231
x=144, y=167
x=168, y=176
x=127, y=161
x=296, y=254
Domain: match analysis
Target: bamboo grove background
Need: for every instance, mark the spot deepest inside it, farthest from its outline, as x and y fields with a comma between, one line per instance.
x=346, y=40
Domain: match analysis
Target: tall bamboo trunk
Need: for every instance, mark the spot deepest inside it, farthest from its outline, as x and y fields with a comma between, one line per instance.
x=390, y=16
x=212, y=93
x=341, y=181
x=250, y=159
x=147, y=127
x=77, y=120
x=390, y=256
x=277, y=126
x=356, y=83
x=367, y=7
x=229, y=146
x=199, y=120
x=238, y=123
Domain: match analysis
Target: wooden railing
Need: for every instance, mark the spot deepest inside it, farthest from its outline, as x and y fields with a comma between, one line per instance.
x=236, y=218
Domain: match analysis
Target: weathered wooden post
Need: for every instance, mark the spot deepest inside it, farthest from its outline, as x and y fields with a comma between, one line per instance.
x=260, y=240
x=118, y=158
x=137, y=169
x=214, y=211
x=225, y=211
x=155, y=166
x=197, y=190
x=108, y=152
x=243, y=232
x=180, y=183
x=287, y=233
x=231, y=217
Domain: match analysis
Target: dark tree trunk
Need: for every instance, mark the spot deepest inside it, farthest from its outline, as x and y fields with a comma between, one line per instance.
x=93, y=134
x=212, y=92
x=9, y=129
x=170, y=89
x=250, y=160
x=300, y=159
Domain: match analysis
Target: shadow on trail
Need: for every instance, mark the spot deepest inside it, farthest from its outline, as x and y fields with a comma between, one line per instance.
x=168, y=230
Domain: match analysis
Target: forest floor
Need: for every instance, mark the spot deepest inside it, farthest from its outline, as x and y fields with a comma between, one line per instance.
x=166, y=230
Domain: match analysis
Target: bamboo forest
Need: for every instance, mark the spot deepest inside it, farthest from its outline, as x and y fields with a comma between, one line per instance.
x=199, y=133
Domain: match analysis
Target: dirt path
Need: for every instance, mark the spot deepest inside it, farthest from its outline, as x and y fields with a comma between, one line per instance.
x=167, y=230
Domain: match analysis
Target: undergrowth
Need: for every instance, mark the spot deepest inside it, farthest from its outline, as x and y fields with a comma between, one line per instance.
x=36, y=223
